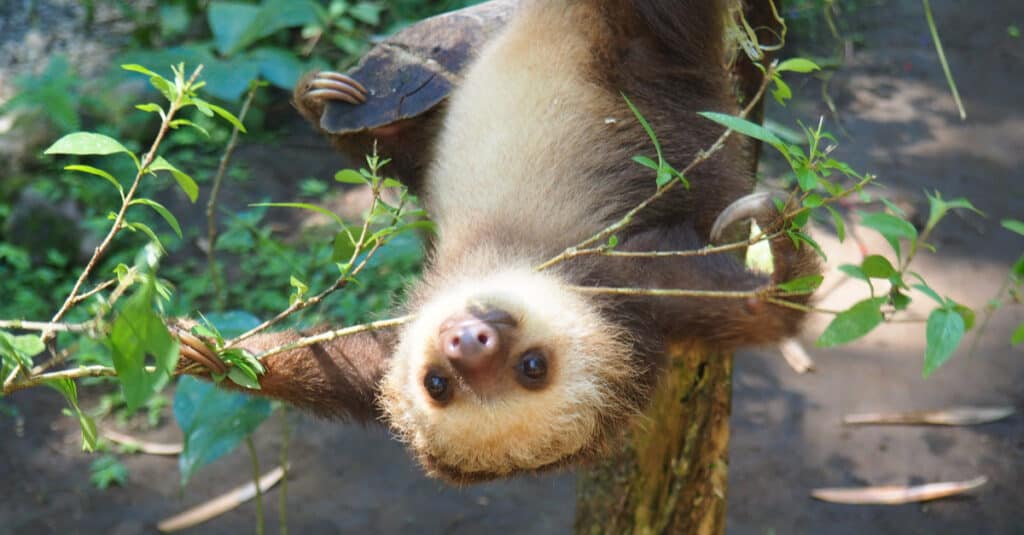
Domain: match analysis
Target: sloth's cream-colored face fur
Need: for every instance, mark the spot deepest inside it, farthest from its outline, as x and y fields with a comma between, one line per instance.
x=519, y=429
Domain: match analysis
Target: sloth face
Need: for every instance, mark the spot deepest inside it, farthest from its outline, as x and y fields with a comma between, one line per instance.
x=506, y=374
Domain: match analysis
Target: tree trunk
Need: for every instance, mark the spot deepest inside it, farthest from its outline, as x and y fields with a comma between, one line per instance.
x=670, y=474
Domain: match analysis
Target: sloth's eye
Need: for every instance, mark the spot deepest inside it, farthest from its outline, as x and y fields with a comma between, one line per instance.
x=438, y=386
x=532, y=368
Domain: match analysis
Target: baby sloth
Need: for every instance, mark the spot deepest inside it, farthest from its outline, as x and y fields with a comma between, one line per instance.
x=507, y=369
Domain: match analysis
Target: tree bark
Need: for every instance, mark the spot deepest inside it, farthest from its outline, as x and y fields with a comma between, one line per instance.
x=670, y=474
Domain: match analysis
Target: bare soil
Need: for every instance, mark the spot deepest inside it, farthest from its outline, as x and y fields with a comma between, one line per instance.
x=898, y=121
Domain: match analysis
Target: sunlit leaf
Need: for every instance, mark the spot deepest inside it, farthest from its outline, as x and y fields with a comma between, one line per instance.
x=86, y=143
x=350, y=176
x=803, y=284
x=877, y=267
x=800, y=65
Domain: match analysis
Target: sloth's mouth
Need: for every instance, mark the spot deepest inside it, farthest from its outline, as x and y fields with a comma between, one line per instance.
x=457, y=476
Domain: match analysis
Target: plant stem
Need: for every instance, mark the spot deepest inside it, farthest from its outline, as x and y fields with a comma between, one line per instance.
x=125, y=203
x=942, y=58
x=211, y=205
x=286, y=432
x=256, y=481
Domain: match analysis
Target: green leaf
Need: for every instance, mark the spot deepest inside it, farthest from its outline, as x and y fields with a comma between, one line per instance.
x=927, y=290
x=343, y=247
x=214, y=421
x=855, y=272
x=86, y=143
x=227, y=116
x=150, y=107
x=240, y=377
x=837, y=220
x=877, y=267
x=184, y=181
x=744, y=126
x=800, y=65
x=1018, y=335
x=646, y=162
x=164, y=212
x=185, y=122
x=1014, y=226
x=305, y=206
x=139, y=69
x=144, y=228
x=854, y=323
x=806, y=178
x=138, y=335
x=939, y=207
x=20, y=348
x=781, y=92
x=107, y=470
x=967, y=314
x=69, y=390
x=891, y=227
x=350, y=176
x=803, y=284
x=98, y=172
x=899, y=300
x=944, y=331
x=235, y=25
x=366, y=12
x=647, y=128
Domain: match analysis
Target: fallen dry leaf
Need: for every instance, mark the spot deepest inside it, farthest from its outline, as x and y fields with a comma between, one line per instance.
x=221, y=504
x=152, y=448
x=897, y=494
x=953, y=416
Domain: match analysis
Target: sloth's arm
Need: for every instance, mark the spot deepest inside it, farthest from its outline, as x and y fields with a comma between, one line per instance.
x=725, y=320
x=337, y=379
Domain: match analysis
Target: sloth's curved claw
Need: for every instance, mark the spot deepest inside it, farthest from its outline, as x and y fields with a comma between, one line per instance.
x=750, y=206
x=195, y=350
x=328, y=85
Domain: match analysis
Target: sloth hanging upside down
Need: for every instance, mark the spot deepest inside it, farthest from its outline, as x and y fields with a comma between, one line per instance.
x=506, y=369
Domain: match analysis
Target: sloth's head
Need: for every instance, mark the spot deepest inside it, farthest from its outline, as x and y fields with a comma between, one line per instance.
x=507, y=374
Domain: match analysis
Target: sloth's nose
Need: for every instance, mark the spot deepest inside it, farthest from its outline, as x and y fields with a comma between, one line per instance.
x=471, y=344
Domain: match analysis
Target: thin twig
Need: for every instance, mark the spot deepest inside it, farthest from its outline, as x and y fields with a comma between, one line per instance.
x=46, y=326
x=211, y=205
x=74, y=373
x=331, y=335
x=99, y=288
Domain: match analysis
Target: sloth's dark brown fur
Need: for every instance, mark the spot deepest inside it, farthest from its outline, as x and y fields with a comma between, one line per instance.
x=533, y=154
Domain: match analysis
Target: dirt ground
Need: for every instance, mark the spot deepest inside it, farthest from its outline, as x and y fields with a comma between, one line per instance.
x=900, y=123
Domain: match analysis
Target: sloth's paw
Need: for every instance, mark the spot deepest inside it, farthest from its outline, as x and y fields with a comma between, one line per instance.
x=329, y=85
x=194, y=349
x=757, y=206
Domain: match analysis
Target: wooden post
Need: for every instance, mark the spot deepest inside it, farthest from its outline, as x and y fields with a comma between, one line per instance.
x=670, y=474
